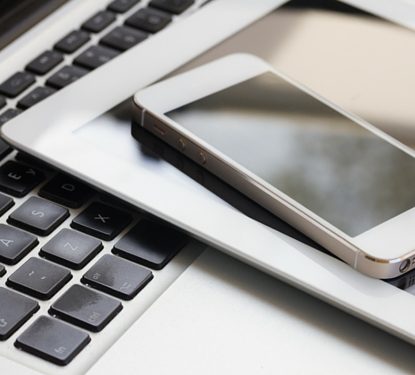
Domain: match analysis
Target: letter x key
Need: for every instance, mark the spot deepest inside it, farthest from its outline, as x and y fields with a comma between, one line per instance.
x=102, y=221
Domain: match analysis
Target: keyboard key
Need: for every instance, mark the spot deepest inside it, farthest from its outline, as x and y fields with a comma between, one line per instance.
x=34, y=97
x=8, y=115
x=86, y=308
x=117, y=277
x=115, y=202
x=123, y=38
x=71, y=249
x=2, y=101
x=16, y=84
x=2, y=270
x=53, y=340
x=149, y=20
x=32, y=161
x=15, y=310
x=39, y=216
x=151, y=244
x=66, y=76
x=45, y=62
x=66, y=191
x=39, y=278
x=99, y=22
x=5, y=203
x=18, y=179
x=121, y=6
x=172, y=6
x=71, y=42
x=5, y=149
x=102, y=221
x=95, y=56
x=15, y=244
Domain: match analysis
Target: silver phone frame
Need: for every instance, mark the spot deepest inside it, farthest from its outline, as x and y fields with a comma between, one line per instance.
x=147, y=114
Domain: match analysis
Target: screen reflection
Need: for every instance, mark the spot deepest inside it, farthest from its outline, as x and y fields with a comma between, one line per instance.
x=321, y=159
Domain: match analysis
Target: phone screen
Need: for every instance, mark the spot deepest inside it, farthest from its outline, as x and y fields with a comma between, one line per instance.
x=326, y=162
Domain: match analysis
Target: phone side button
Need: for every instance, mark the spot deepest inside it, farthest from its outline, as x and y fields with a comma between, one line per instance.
x=202, y=158
x=182, y=144
x=159, y=130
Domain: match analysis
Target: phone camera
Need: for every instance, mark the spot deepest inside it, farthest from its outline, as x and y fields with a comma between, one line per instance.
x=404, y=265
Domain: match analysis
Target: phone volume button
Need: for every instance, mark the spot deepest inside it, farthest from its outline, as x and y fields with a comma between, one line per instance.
x=182, y=144
x=202, y=157
x=159, y=130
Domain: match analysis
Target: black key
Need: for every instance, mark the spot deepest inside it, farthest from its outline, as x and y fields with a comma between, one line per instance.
x=45, y=62
x=172, y=6
x=71, y=249
x=5, y=203
x=66, y=191
x=66, y=76
x=102, y=221
x=53, y=340
x=8, y=115
x=39, y=278
x=34, y=97
x=32, y=161
x=149, y=20
x=16, y=84
x=123, y=38
x=95, y=56
x=121, y=6
x=18, y=179
x=115, y=202
x=2, y=101
x=86, y=308
x=71, y=42
x=151, y=244
x=15, y=310
x=15, y=244
x=99, y=22
x=5, y=149
x=117, y=276
x=2, y=270
x=39, y=216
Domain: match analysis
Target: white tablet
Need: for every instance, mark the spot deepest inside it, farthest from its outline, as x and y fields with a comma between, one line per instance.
x=76, y=130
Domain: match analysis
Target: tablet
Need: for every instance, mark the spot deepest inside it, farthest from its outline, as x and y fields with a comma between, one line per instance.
x=76, y=131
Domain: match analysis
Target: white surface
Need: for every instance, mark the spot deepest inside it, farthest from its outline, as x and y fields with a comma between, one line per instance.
x=401, y=11
x=223, y=317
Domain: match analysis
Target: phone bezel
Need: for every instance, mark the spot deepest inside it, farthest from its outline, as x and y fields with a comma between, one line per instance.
x=378, y=252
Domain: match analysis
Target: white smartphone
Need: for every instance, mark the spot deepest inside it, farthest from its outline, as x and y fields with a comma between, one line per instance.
x=333, y=176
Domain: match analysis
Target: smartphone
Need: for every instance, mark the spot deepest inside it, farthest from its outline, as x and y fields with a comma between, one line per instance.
x=333, y=176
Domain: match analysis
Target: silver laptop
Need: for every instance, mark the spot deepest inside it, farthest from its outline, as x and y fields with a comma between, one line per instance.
x=96, y=232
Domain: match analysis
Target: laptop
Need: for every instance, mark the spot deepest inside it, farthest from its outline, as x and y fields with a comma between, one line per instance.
x=102, y=230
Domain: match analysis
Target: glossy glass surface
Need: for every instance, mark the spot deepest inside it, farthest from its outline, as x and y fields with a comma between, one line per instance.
x=326, y=162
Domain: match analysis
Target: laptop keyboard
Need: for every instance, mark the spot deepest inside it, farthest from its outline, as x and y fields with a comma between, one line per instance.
x=41, y=271
x=76, y=221
x=100, y=38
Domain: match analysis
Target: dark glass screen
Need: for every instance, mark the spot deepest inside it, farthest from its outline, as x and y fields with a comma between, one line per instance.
x=328, y=163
